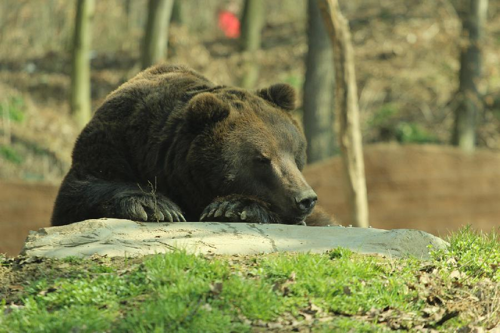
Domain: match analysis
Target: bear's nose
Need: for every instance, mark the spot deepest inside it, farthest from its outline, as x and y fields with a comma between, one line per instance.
x=306, y=200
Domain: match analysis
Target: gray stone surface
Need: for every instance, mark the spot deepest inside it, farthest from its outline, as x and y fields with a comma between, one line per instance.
x=113, y=237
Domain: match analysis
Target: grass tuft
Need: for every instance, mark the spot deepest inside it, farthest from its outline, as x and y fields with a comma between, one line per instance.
x=473, y=253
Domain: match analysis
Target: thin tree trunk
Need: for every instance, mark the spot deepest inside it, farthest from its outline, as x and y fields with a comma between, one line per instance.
x=473, y=15
x=251, y=25
x=178, y=12
x=252, y=21
x=156, y=35
x=348, y=111
x=319, y=102
x=80, y=78
x=128, y=12
x=129, y=22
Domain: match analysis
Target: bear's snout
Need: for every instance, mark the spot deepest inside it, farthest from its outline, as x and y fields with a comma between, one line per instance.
x=306, y=201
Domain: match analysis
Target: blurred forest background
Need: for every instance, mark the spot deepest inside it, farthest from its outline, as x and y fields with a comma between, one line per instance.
x=407, y=57
x=407, y=62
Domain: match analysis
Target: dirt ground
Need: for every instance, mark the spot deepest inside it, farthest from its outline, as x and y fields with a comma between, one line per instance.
x=23, y=207
x=432, y=188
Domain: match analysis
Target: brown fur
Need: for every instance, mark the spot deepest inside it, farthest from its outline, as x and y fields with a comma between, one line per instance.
x=171, y=145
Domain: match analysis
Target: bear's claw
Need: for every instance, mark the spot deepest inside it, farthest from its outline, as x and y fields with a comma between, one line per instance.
x=237, y=208
x=149, y=208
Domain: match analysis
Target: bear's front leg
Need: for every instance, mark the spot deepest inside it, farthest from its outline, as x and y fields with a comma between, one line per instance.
x=238, y=208
x=146, y=207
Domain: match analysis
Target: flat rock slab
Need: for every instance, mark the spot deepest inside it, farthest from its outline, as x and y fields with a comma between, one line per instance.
x=115, y=238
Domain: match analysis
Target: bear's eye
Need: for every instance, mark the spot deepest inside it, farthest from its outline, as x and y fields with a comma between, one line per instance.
x=263, y=159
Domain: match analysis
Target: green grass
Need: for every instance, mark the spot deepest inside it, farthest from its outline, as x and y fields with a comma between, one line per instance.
x=10, y=154
x=14, y=109
x=408, y=132
x=333, y=292
x=387, y=118
x=384, y=115
x=476, y=256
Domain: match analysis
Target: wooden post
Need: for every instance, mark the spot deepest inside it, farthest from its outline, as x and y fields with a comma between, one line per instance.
x=349, y=133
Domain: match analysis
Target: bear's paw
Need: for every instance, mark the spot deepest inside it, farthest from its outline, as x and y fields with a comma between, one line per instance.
x=148, y=208
x=238, y=208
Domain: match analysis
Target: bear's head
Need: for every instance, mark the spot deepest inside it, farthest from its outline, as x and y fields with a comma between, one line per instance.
x=247, y=143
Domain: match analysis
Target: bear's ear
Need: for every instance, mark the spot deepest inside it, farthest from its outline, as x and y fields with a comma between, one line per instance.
x=204, y=110
x=281, y=94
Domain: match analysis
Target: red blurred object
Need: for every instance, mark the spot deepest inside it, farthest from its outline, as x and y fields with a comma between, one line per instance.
x=229, y=24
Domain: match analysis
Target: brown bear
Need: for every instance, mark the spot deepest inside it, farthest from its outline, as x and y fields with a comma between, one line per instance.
x=169, y=145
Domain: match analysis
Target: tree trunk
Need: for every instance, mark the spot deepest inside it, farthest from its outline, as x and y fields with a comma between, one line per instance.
x=251, y=25
x=156, y=35
x=80, y=102
x=319, y=101
x=348, y=111
x=178, y=12
x=473, y=15
x=252, y=21
x=129, y=9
